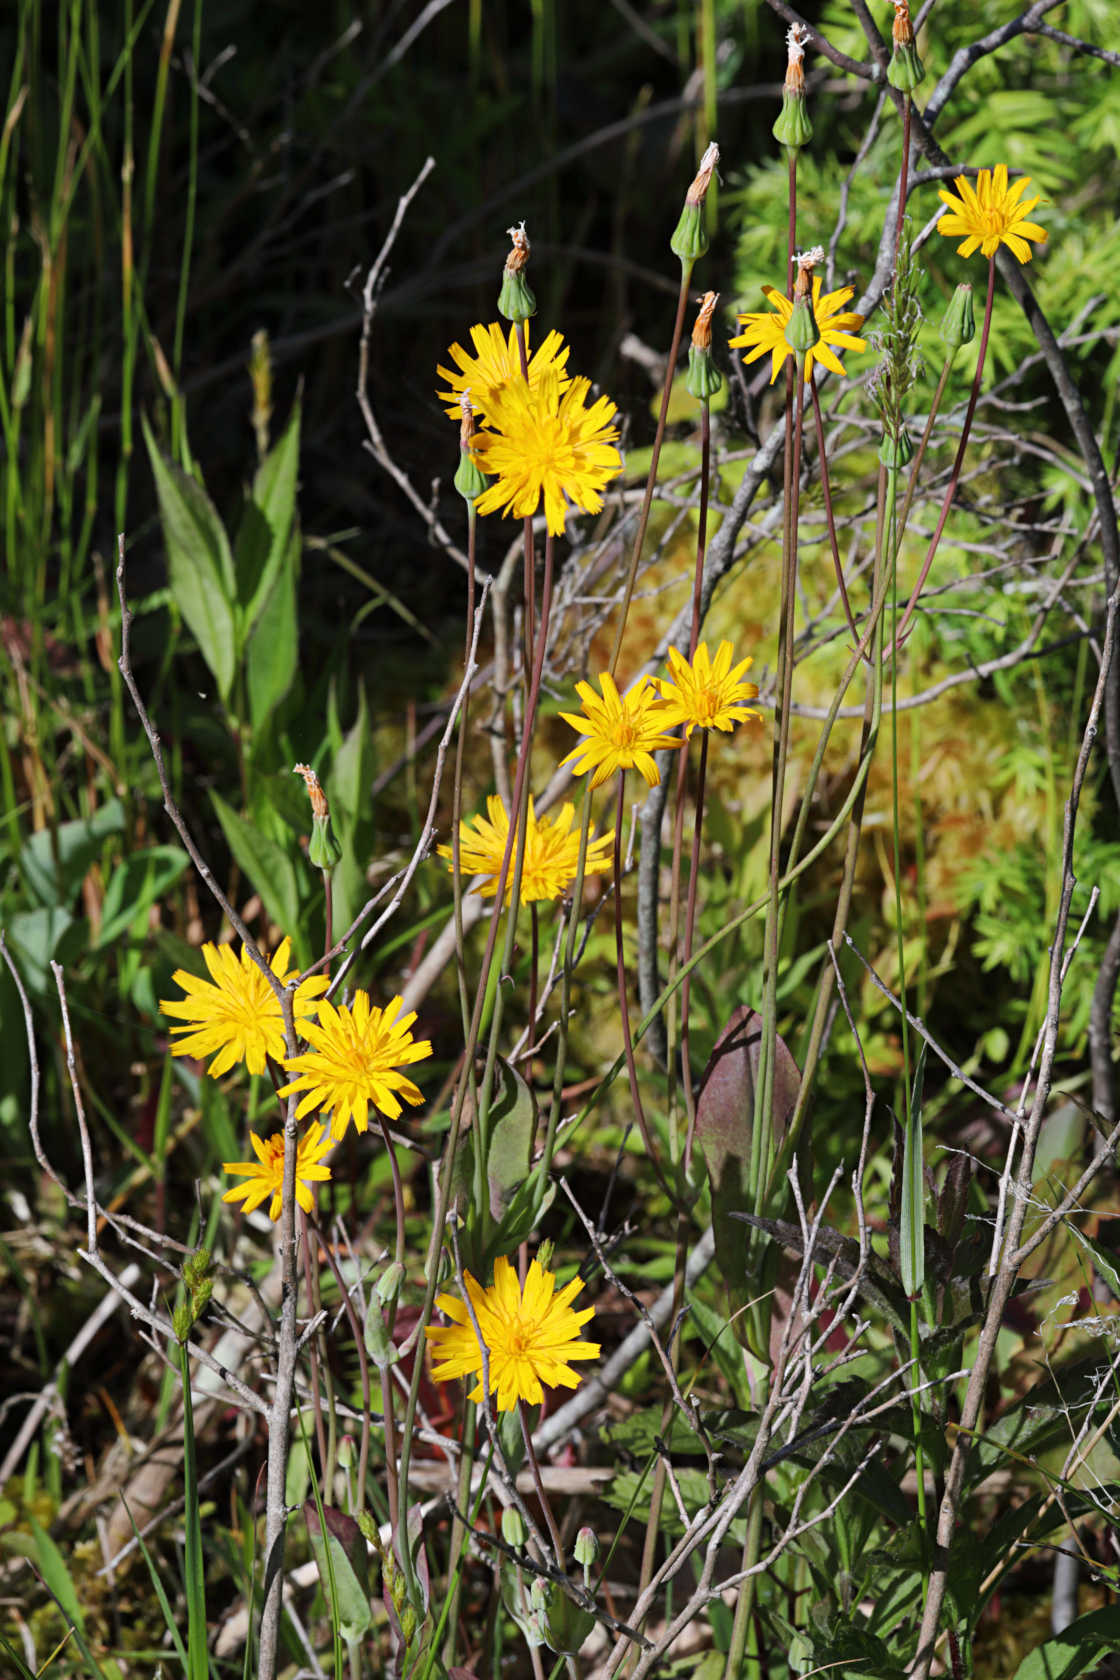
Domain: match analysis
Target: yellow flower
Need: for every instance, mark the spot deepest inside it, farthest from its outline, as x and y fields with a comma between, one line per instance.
x=551, y=852
x=497, y=362
x=239, y=1015
x=544, y=441
x=623, y=730
x=767, y=331
x=531, y=1337
x=355, y=1059
x=990, y=215
x=707, y=694
x=265, y=1175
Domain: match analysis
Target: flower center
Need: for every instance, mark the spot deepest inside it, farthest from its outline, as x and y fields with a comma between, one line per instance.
x=993, y=221
x=520, y=1337
x=626, y=734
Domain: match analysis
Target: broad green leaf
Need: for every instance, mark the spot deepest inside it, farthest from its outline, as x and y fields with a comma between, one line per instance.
x=271, y=653
x=512, y=1117
x=54, y=865
x=1103, y=1262
x=1082, y=1645
x=53, y=1569
x=34, y=938
x=348, y=1566
x=268, y=866
x=265, y=533
x=134, y=887
x=350, y=775
x=199, y=564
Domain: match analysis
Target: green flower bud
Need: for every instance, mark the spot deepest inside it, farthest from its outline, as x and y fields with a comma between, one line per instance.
x=905, y=70
x=379, y=1344
x=469, y=480
x=369, y=1528
x=346, y=1454
x=959, y=324
x=324, y=850
x=896, y=451
x=802, y=332
x=689, y=239
x=793, y=127
x=388, y=1285
x=514, y=1532
x=181, y=1320
x=407, y=1619
x=515, y=300
x=586, y=1548
x=703, y=378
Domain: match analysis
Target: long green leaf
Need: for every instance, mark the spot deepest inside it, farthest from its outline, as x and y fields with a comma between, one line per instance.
x=199, y=564
x=266, y=864
x=265, y=533
x=272, y=651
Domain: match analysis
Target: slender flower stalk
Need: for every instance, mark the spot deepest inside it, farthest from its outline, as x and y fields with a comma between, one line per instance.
x=689, y=242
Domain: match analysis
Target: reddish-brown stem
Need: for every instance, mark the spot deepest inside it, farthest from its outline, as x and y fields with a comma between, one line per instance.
x=655, y=456
x=623, y=1005
x=954, y=478
x=689, y=930
x=530, y=580
x=535, y=1471
x=903, y=179
x=829, y=518
x=328, y=912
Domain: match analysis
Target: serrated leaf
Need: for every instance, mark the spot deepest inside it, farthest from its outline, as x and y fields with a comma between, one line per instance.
x=199, y=564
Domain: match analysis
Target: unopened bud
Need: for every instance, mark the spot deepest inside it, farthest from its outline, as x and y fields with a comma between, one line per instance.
x=346, y=1451
x=407, y=1619
x=379, y=1344
x=906, y=69
x=323, y=849
x=703, y=379
x=515, y=300
x=896, y=449
x=690, y=239
x=802, y=332
x=586, y=1548
x=388, y=1285
x=793, y=127
x=959, y=324
x=514, y=1532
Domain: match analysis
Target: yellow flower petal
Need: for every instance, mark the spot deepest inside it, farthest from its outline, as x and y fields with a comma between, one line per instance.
x=531, y=1335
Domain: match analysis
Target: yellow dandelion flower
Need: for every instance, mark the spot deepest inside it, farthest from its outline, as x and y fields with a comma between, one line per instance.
x=767, y=330
x=551, y=852
x=544, y=441
x=623, y=730
x=355, y=1059
x=707, y=694
x=265, y=1176
x=531, y=1337
x=238, y=1016
x=497, y=362
x=991, y=214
